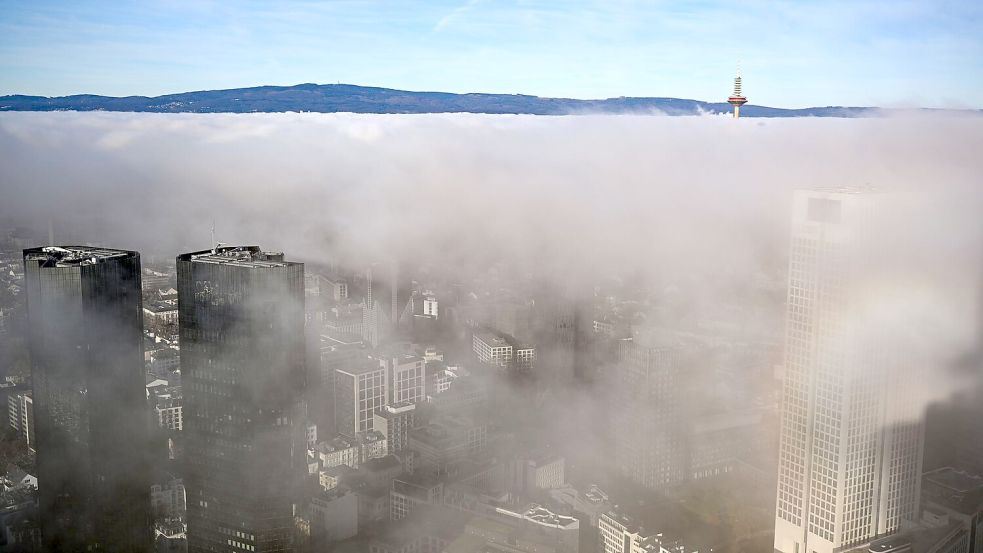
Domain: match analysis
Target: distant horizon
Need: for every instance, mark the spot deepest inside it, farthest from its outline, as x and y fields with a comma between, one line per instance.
x=794, y=54
x=721, y=100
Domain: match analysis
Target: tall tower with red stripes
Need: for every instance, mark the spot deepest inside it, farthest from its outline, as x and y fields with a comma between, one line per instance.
x=736, y=99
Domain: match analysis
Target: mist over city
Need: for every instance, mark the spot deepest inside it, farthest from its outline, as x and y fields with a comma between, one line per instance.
x=472, y=278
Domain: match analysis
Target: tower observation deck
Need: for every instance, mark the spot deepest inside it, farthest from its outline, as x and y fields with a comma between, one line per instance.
x=737, y=99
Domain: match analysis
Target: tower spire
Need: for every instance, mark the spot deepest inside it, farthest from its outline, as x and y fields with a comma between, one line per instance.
x=737, y=99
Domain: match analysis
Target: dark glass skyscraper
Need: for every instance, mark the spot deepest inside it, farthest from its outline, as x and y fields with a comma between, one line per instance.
x=241, y=313
x=84, y=310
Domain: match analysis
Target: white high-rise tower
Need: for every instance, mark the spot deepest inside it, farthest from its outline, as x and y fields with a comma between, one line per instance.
x=851, y=436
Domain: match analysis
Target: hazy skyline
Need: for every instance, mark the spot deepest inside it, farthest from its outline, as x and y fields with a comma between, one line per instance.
x=665, y=196
x=793, y=54
x=616, y=316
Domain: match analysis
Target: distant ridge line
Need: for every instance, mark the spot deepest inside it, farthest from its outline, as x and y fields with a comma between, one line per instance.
x=336, y=98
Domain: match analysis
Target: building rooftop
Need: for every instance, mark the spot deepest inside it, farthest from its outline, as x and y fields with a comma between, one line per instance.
x=954, y=480
x=381, y=463
x=893, y=543
x=238, y=256
x=337, y=443
x=491, y=339
x=160, y=306
x=541, y=515
x=361, y=367
x=953, y=489
x=396, y=409
x=442, y=431
x=71, y=256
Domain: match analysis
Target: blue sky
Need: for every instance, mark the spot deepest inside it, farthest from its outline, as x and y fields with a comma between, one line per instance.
x=795, y=53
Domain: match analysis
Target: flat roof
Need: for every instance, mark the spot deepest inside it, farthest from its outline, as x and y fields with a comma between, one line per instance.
x=70, y=256
x=491, y=339
x=362, y=367
x=397, y=408
x=956, y=480
x=238, y=256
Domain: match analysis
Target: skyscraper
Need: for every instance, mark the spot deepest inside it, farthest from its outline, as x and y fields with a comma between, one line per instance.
x=85, y=316
x=851, y=439
x=387, y=303
x=648, y=444
x=241, y=313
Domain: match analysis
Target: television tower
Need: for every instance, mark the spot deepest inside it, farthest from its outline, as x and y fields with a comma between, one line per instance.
x=736, y=99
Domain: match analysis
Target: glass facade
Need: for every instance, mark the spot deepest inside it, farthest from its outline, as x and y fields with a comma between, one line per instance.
x=241, y=314
x=84, y=308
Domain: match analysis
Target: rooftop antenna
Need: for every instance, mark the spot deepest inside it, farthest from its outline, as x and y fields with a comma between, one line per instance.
x=737, y=99
x=213, y=233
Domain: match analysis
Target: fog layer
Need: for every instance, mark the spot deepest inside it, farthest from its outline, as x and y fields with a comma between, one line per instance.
x=698, y=202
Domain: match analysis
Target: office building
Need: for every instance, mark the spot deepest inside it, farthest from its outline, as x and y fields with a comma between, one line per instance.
x=501, y=350
x=850, y=438
x=20, y=411
x=405, y=376
x=492, y=349
x=649, y=437
x=92, y=422
x=241, y=314
x=431, y=307
x=321, y=389
x=359, y=392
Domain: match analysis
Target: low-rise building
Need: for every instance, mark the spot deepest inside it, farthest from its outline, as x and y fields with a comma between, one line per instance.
x=501, y=350
x=410, y=492
x=371, y=445
x=395, y=422
x=445, y=442
x=160, y=316
x=164, y=360
x=534, y=529
x=168, y=409
x=334, y=516
x=440, y=376
x=168, y=499
x=492, y=349
x=338, y=451
x=330, y=478
x=592, y=503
